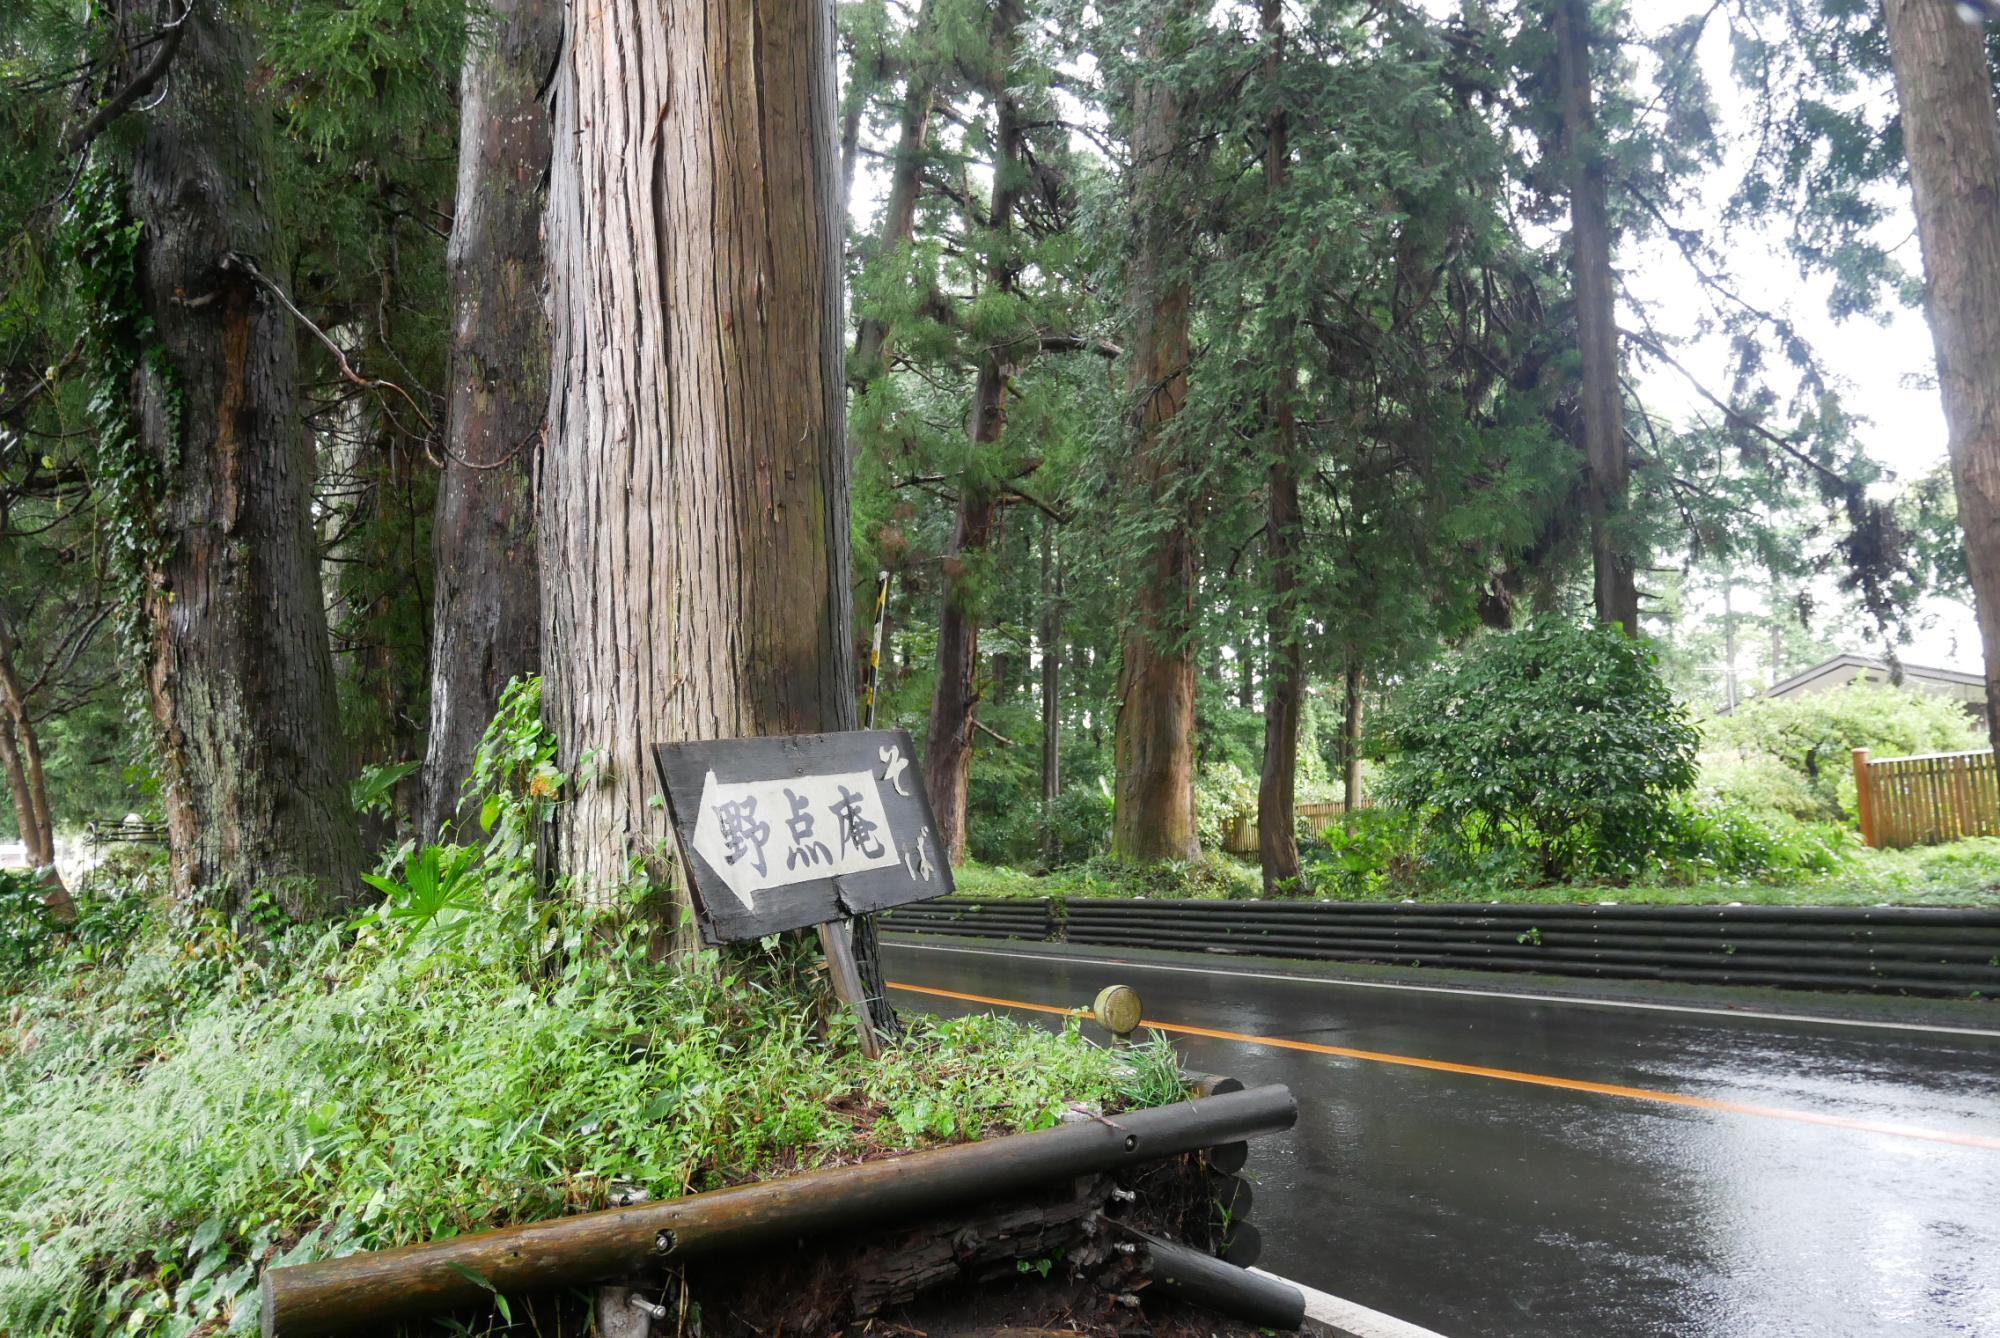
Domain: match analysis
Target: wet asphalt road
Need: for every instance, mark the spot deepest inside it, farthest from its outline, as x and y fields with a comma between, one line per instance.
x=1479, y=1206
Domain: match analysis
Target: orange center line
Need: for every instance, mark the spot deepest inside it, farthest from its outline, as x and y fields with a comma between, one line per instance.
x=1501, y=1075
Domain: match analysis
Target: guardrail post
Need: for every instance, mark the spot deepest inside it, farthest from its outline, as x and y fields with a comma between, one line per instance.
x=1864, y=798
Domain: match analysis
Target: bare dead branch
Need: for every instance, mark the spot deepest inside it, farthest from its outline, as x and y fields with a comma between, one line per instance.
x=142, y=84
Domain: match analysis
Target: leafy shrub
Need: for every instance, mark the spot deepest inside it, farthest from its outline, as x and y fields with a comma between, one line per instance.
x=1211, y=876
x=107, y=918
x=1812, y=735
x=27, y=930
x=1554, y=740
x=1761, y=785
x=1016, y=833
x=1359, y=857
x=1711, y=838
x=1221, y=791
x=1081, y=823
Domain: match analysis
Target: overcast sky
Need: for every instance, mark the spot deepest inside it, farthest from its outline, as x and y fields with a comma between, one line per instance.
x=1884, y=366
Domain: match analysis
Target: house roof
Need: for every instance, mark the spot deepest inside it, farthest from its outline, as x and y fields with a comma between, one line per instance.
x=1918, y=673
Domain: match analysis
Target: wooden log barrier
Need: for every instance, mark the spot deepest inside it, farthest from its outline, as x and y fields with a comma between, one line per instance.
x=372, y=1289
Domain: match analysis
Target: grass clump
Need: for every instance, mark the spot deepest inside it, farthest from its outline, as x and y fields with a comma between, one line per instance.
x=186, y=1097
x=1214, y=876
x=172, y=1119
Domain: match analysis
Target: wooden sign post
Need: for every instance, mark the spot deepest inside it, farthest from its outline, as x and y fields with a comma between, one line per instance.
x=807, y=829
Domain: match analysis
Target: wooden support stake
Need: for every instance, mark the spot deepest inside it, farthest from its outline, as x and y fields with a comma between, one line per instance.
x=836, y=938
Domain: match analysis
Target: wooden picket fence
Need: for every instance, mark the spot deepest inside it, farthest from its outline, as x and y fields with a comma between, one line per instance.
x=1910, y=801
x=1240, y=836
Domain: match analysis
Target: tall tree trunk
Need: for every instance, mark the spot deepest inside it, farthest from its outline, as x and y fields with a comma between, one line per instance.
x=1350, y=738
x=1153, y=748
x=37, y=839
x=1775, y=609
x=1729, y=641
x=693, y=519
x=1284, y=681
x=487, y=615
x=38, y=828
x=241, y=676
x=1607, y=469
x=1946, y=93
x=1051, y=638
x=899, y=211
x=23, y=799
x=955, y=700
x=1000, y=670
x=377, y=586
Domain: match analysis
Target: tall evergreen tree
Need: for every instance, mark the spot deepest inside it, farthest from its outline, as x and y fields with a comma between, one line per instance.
x=1153, y=806
x=487, y=618
x=693, y=517
x=1607, y=471
x=240, y=677
x=1944, y=86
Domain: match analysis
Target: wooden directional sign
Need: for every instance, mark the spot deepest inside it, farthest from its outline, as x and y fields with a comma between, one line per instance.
x=782, y=833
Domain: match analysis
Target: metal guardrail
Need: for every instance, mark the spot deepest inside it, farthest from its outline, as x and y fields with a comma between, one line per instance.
x=127, y=832
x=1949, y=953
x=369, y=1291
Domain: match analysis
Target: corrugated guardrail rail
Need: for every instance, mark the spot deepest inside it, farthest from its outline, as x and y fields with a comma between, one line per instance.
x=1895, y=949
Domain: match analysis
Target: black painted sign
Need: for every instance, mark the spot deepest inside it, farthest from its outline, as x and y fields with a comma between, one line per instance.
x=781, y=833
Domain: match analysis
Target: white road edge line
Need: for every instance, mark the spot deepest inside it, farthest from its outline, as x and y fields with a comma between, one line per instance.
x=1471, y=993
x=1351, y=1318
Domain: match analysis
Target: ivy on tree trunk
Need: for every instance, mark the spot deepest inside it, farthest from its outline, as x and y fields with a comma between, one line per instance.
x=240, y=678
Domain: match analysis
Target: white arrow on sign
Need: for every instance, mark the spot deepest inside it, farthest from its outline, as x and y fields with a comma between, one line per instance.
x=759, y=835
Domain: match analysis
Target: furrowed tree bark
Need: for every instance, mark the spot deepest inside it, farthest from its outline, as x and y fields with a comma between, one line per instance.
x=241, y=678
x=693, y=521
x=1945, y=89
x=487, y=616
x=1607, y=467
x=1284, y=683
x=955, y=700
x=1153, y=741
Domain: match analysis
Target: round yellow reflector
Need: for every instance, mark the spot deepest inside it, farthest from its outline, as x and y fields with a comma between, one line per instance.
x=1117, y=1009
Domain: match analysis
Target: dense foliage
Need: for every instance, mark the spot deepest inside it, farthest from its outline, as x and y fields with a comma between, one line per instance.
x=1555, y=741
x=1792, y=754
